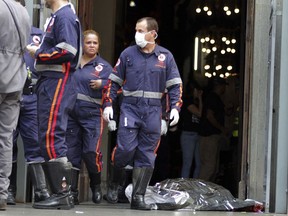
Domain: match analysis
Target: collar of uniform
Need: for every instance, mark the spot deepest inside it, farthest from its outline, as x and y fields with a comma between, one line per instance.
x=61, y=8
x=157, y=50
x=96, y=60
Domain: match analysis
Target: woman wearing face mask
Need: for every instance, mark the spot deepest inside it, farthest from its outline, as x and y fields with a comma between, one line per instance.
x=85, y=125
x=143, y=71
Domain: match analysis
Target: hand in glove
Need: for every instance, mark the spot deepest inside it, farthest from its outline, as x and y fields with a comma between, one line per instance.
x=174, y=114
x=164, y=127
x=108, y=114
x=32, y=49
x=112, y=125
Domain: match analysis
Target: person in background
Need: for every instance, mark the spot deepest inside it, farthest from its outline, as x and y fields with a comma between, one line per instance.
x=14, y=34
x=27, y=127
x=212, y=130
x=85, y=124
x=190, y=115
x=143, y=71
x=57, y=58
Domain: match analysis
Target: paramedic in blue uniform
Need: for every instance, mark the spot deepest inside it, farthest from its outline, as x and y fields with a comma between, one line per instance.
x=27, y=127
x=57, y=58
x=143, y=71
x=85, y=124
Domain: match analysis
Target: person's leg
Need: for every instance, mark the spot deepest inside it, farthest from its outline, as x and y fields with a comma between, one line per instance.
x=187, y=147
x=9, y=112
x=145, y=155
x=74, y=185
x=123, y=153
x=37, y=176
x=58, y=173
x=56, y=97
x=208, y=154
x=95, y=185
x=140, y=179
x=197, y=159
x=115, y=176
x=219, y=141
x=53, y=108
x=92, y=125
x=125, y=181
x=74, y=153
x=12, y=189
x=28, y=119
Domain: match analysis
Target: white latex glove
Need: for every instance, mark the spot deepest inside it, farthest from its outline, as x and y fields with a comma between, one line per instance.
x=108, y=114
x=164, y=127
x=174, y=114
x=112, y=125
x=32, y=49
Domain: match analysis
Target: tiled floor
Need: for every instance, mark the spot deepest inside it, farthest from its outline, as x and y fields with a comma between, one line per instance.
x=105, y=209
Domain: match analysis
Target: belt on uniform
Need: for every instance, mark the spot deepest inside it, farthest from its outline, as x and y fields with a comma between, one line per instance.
x=89, y=99
x=29, y=90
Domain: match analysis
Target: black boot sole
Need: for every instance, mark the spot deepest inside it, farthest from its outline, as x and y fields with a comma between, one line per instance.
x=64, y=207
x=64, y=203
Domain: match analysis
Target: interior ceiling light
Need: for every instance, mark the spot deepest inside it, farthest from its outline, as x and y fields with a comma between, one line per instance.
x=225, y=8
x=198, y=10
x=236, y=10
x=218, y=67
x=132, y=4
x=228, y=13
x=207, y=74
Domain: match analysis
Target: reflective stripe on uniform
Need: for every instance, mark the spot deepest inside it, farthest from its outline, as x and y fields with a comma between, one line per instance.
x=116, y=79
x=44, y=67
x=89, y=99
x=156, y=95
x=173, y=82
x=145, y=94
x=67, y=47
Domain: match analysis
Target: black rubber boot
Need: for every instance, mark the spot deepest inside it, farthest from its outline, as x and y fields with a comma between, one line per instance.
x=59, y=177
x=74, y=186
x=116, y=175
x=13, y=185
x=126, y=180
x=95, y=185
x=141, y=179
x=38, y=181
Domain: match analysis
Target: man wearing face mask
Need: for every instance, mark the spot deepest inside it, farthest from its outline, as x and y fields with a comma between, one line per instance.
x=143, y=71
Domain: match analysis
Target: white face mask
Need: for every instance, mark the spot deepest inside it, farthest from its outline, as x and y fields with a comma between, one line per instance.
x=140, y=39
